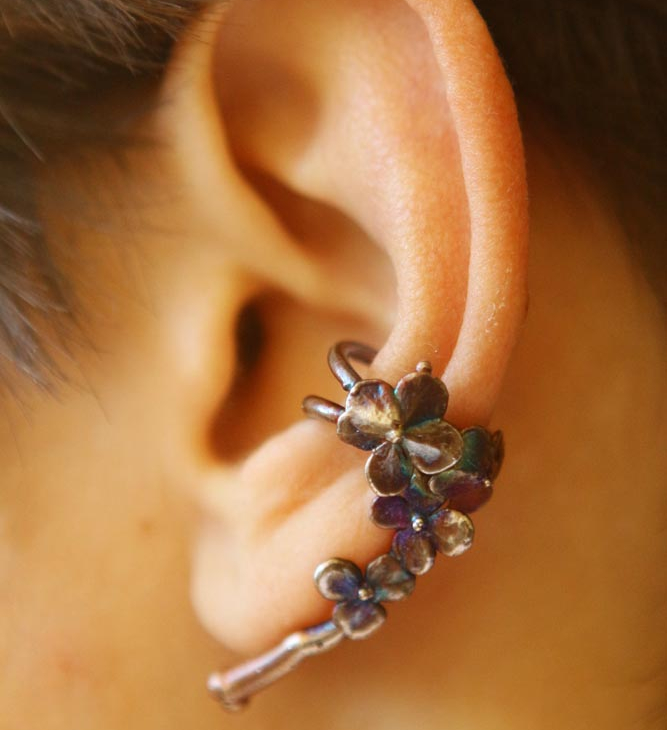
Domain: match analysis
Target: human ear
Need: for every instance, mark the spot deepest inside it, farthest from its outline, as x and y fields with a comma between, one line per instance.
x=362, y=162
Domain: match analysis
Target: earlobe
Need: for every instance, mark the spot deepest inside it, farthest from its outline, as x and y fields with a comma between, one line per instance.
x=386, y=140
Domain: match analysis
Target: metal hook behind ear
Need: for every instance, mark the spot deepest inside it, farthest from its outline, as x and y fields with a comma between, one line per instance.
x=339, y=356
x=317, y=407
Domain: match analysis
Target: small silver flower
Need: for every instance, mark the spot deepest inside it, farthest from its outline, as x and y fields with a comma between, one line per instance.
x=403, y=427
x=425, y=526
x=358, y=610
x=468, y=484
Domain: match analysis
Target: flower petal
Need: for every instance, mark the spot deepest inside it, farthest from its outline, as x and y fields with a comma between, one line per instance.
x=419, y=498
x=359, y=619
x=338, y=579
x=388, y=470
x=498, y=442
x=371, y=410
x=433, y=446
x=467, y=486
x=415, y=549
x=478, y=452
x=462, y=492
x=389, y=580
x=422, y=398
x=350, y=434
x=451, y=531
x=390, y=512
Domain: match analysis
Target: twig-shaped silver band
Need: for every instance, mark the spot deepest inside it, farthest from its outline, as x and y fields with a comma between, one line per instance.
x=235, y=687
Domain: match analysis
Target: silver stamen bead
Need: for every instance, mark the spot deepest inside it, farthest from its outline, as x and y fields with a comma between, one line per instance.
x=418, y=523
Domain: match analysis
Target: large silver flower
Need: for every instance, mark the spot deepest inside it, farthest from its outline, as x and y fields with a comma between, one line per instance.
x=358, y=611
x=403, y=427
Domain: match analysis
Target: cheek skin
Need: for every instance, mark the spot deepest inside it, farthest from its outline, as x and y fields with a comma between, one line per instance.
x=94, y=544
x=95, y=578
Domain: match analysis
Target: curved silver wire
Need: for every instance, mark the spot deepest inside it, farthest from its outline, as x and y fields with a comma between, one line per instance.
x=340, y=355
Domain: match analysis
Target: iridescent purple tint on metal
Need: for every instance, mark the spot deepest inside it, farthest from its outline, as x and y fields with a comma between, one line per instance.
x=396, y=512
x=402, y=426
x=428, y=475
x=419, y=516
x=358, y=611
x=468, y=484
x=389, y=580
x=338, y=579
x=359, y=619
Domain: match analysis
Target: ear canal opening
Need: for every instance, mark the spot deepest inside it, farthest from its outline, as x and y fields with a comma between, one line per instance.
x=281, y=348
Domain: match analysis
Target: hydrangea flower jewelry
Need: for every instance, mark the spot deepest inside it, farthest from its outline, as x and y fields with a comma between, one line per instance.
x=428, y=477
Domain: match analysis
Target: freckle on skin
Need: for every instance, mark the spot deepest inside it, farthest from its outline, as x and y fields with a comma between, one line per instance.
x=67, y=665
x=71, y=667
x=146, y=527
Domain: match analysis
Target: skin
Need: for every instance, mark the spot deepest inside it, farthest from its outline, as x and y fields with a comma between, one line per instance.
x=148, y=505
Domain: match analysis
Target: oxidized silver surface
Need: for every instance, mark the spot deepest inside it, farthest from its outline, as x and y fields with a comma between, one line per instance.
x=428, y=476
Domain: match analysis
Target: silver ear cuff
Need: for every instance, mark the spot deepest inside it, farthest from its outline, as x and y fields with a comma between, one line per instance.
x=427, y=476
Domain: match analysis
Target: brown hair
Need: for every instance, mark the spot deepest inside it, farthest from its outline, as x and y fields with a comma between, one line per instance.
x=595, y=70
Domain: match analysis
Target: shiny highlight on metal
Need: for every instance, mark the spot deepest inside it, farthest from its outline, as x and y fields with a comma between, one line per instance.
x=235, y=688
x=427, y=475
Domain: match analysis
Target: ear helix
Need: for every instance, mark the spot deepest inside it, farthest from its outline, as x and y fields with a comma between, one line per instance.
x=427, y=476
